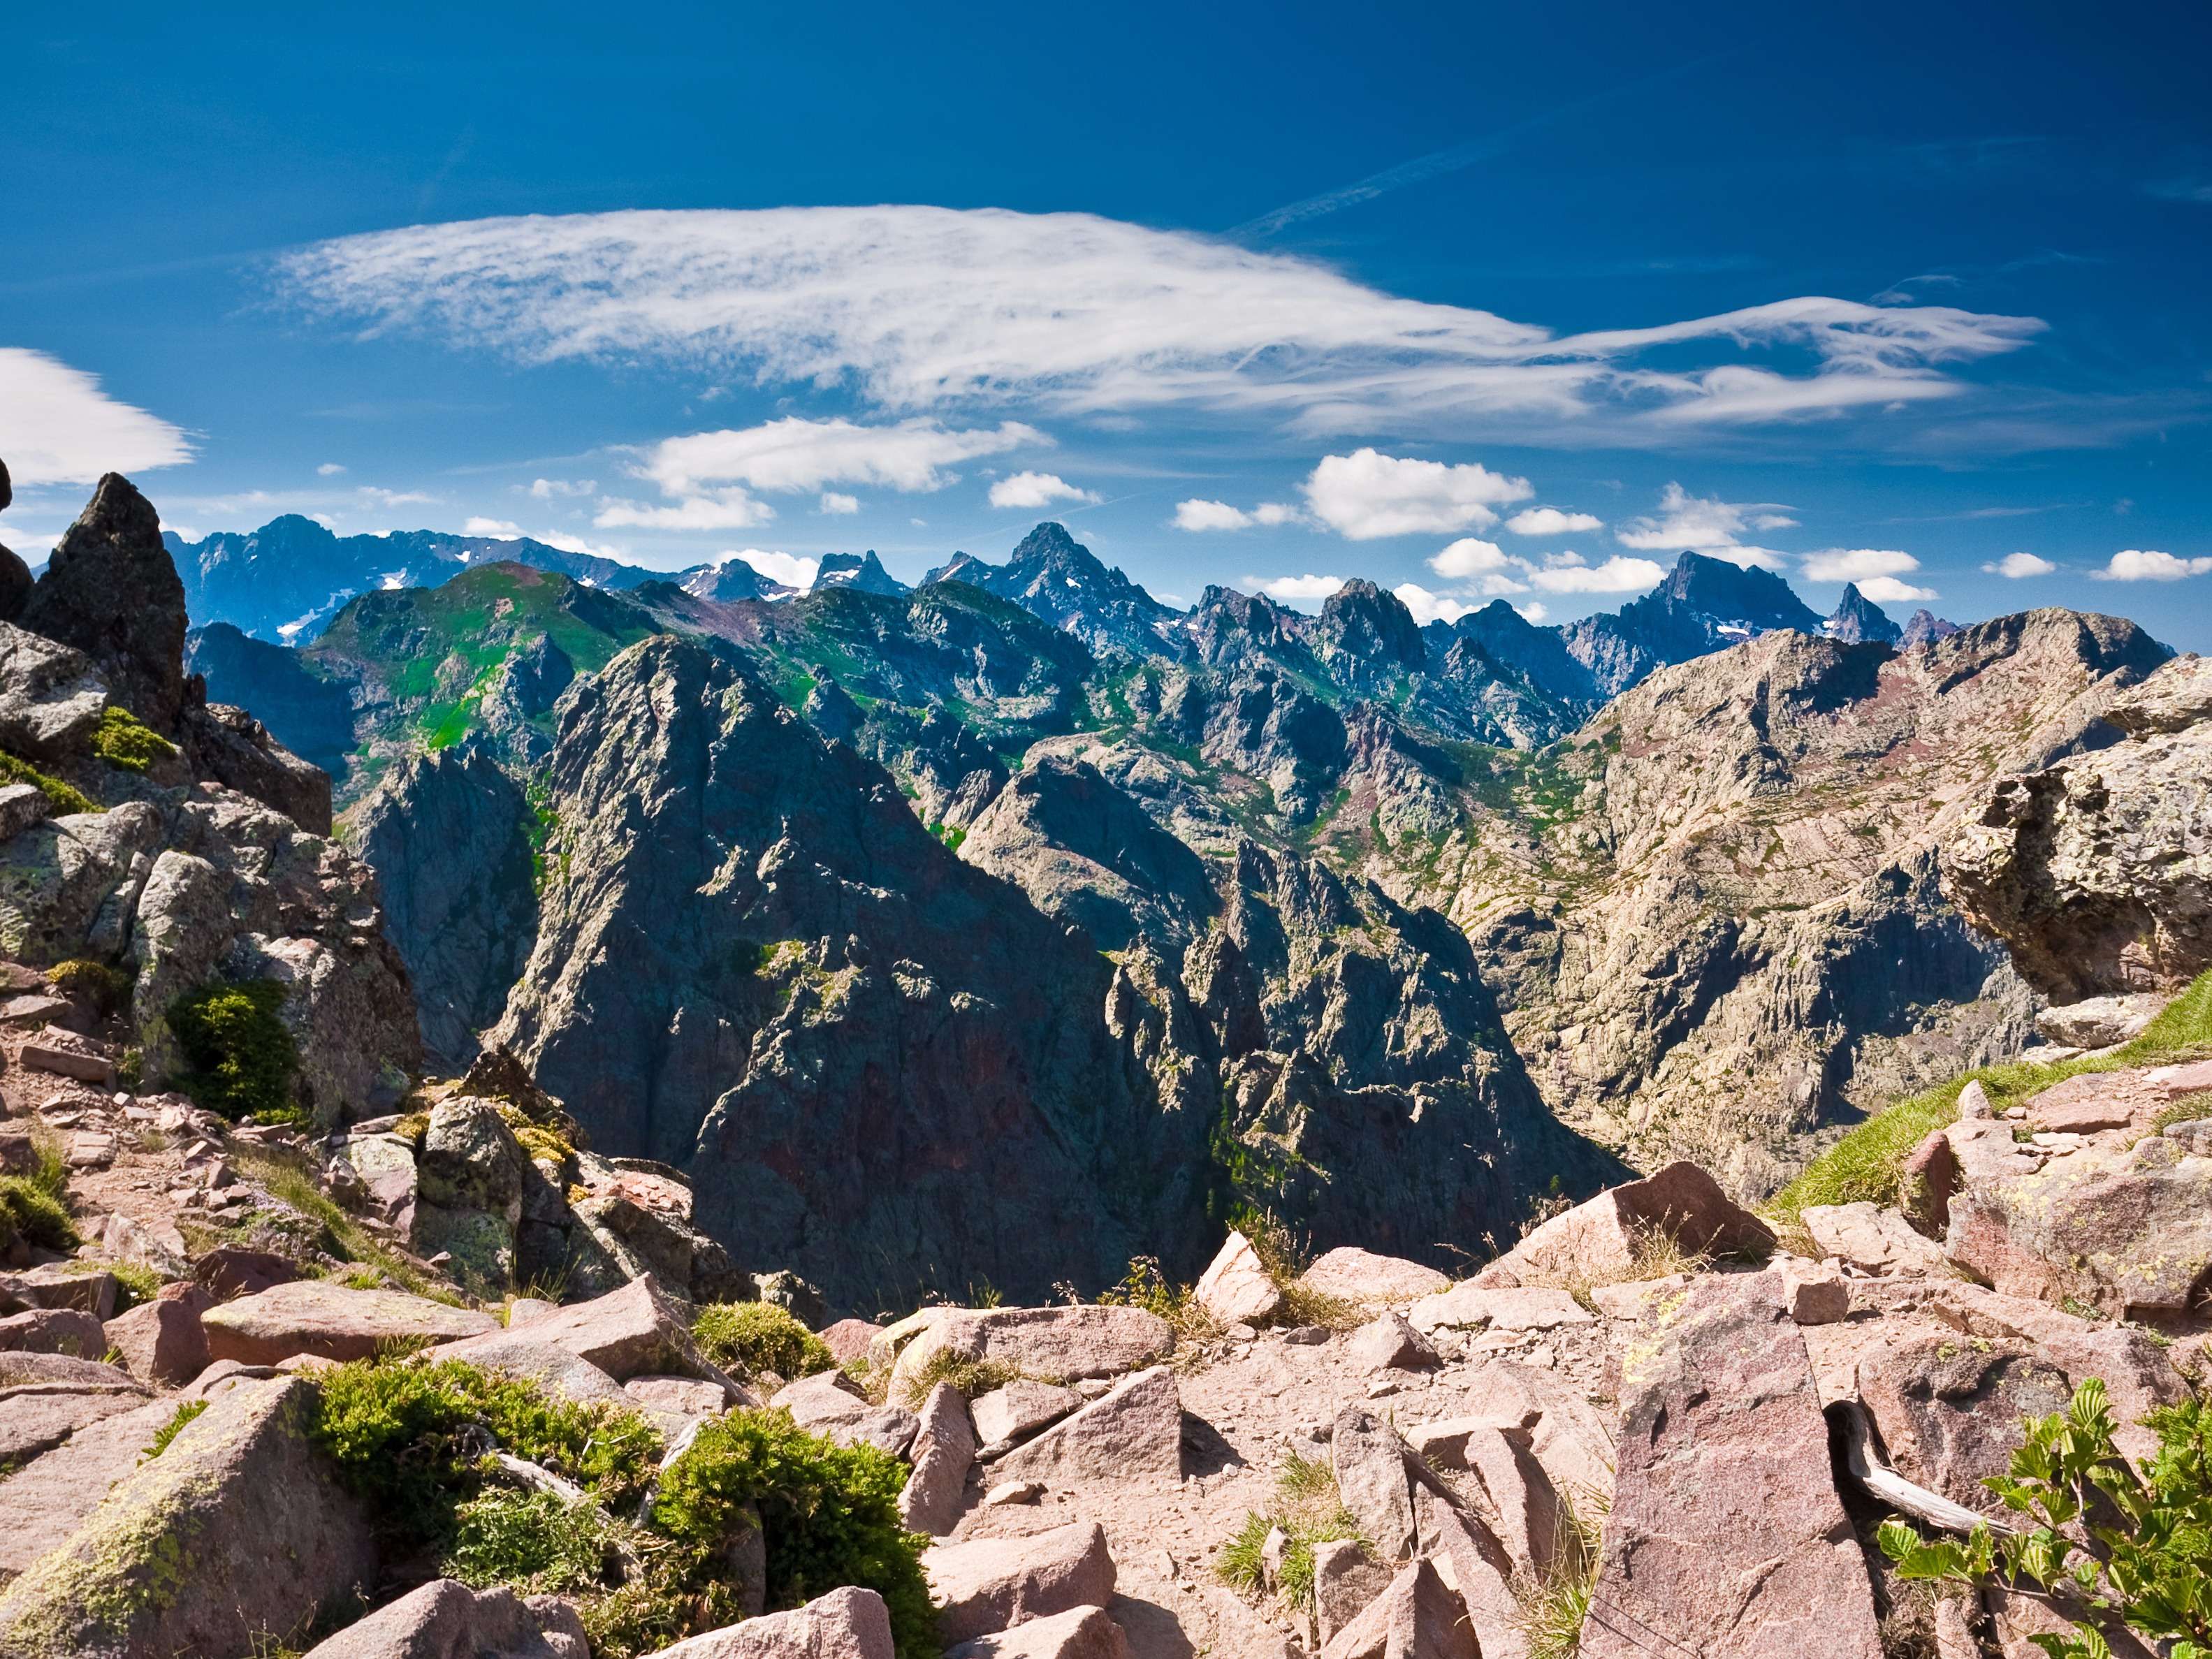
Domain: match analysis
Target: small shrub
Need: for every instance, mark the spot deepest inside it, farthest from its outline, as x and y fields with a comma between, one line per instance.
x=1146, y=1286
x=407, y=1438
x=534, y=1542
x=29, y=1210
x=139, y=1283
x=751, y=1337
x=412, y=1128
x=2150, y=1574
x=830, y=1514
x=240, y=1055
x=125, y=740
x=186, y=1412
x=105, y=990
x=62, y=797
x=1311, y=1510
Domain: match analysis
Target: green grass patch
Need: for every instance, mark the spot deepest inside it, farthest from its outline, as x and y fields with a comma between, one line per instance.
x=62, y=797
x=240, y=1056
x=1867, y=1164
x=125, y=740
x=29, y=1210
x=751, y=1337
x=1309, y=1511
x=186, y=1412
x=343, y=1236
x=969, y=1377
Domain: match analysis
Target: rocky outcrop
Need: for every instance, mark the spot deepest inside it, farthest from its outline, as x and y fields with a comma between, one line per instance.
x=111, y=591
x=1705, y=605
x=2095, y=871
x=1055, y=576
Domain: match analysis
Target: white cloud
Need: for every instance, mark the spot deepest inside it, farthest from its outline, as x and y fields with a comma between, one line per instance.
x=1468, y=557
x=490, y=527
x=1535, y=612
x=374, y=496
x=832, y=503
x=1706, y=524
x=1199, y=514
x=568, y=543
x=1857, y=564
x=2137, y=565
x=1367, y=495
x=1210, y=515
x=2018, y=565
x=734, y=508
x=546, y=490
x=798, y=455
x=917, y=308
x=1429, y=607
x=1034, y=489
x=1887, y=590
x=1295, y=590
x=791, y=571
x=57, y=426
x=329, y=470
x=1568, y=572
x=1550, y=521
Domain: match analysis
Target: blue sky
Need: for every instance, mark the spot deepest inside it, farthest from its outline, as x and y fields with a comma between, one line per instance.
x=1471, y=300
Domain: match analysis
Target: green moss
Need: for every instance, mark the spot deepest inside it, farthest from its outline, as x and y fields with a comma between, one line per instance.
x=186, y=1412
x=62, y=797
x=750, y=1337
x=830, y=1514
x=125, y=740
x=240, y=1056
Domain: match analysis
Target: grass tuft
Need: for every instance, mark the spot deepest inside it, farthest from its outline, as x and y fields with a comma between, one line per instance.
x=29, y=1210
x=748, y=1337
x=186, y=1412
x=64, y=797
x=1553, y=1605
x=970, y=1377
x=1309, y=1511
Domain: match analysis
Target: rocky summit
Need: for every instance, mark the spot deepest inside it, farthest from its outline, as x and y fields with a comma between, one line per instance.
x=550, y=1111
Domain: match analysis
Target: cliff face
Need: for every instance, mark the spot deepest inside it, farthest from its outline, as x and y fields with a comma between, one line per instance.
x=2096, y=872
x=1732, y=928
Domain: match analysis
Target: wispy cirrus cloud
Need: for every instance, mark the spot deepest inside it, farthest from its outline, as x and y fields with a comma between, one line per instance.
x=57, y=426
x=919, y=309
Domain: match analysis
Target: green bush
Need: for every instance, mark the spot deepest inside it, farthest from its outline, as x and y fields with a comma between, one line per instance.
x=2151, y=1574
x=105, y=990
x=240, y=1056
x=408, y=1438
x=125, y=740
x=534, y=1542
x=830, y=1514
x=29, y=1210
x=750, y=1337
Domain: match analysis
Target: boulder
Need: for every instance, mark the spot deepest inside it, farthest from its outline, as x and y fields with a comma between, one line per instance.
x=1368, y=1280
x=111, y=591
x=446, y=1619
x=685, y=1396
x=227, y=745
x=943, y=1451
x=54, y=1330
x=1006, y=1416
x=1370, y=1463
x=37, y=1416
x=1474, y=1305
x=2100, y=1022
x=993, y=1584
x=1477, y=1568
x=1871, y=1239
x=161, y=1341
x=312, y=1316
x=846, y=1623
x=229, y=1271
x=61, y=1284
x=1813, y=1292
x=556, y=1369
x=1387, y=1342
x=1603, y=1238
x=630, y=1332
x=51, y=700
x=828, y=1404
x=237, y=1534
x=1517, y=1502
x=1949, y=1412
x=43, y=1504
x=1237, y=1287
x=152, y=1242
x=2084, y=1105
x=1929, y=1176
x=1054, y=1345
x=1133, y=1433
x=847, y=1339
x=1345, y=1580
x=1417, y=1618
x=1726, y=1537
x=1563, y=1430
x=1079, y=1633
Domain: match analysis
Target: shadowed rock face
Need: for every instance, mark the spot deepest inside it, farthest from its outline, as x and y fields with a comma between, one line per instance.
x=111, y=591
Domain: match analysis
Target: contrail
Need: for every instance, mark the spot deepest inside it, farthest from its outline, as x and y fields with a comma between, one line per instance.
x=1423, y=168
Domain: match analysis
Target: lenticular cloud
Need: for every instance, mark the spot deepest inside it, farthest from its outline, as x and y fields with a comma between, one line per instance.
x=922, y=308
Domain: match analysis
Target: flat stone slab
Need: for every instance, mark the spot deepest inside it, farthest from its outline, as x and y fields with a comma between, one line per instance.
x=41, y=1506
x=313, y=1316
x=1470, y=1306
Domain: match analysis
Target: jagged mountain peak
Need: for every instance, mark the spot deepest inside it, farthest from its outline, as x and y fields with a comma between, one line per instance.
x=1364, y=620
x=1058, y=578
x=862, y=570
x=1857, y=619
x=1924, y=627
